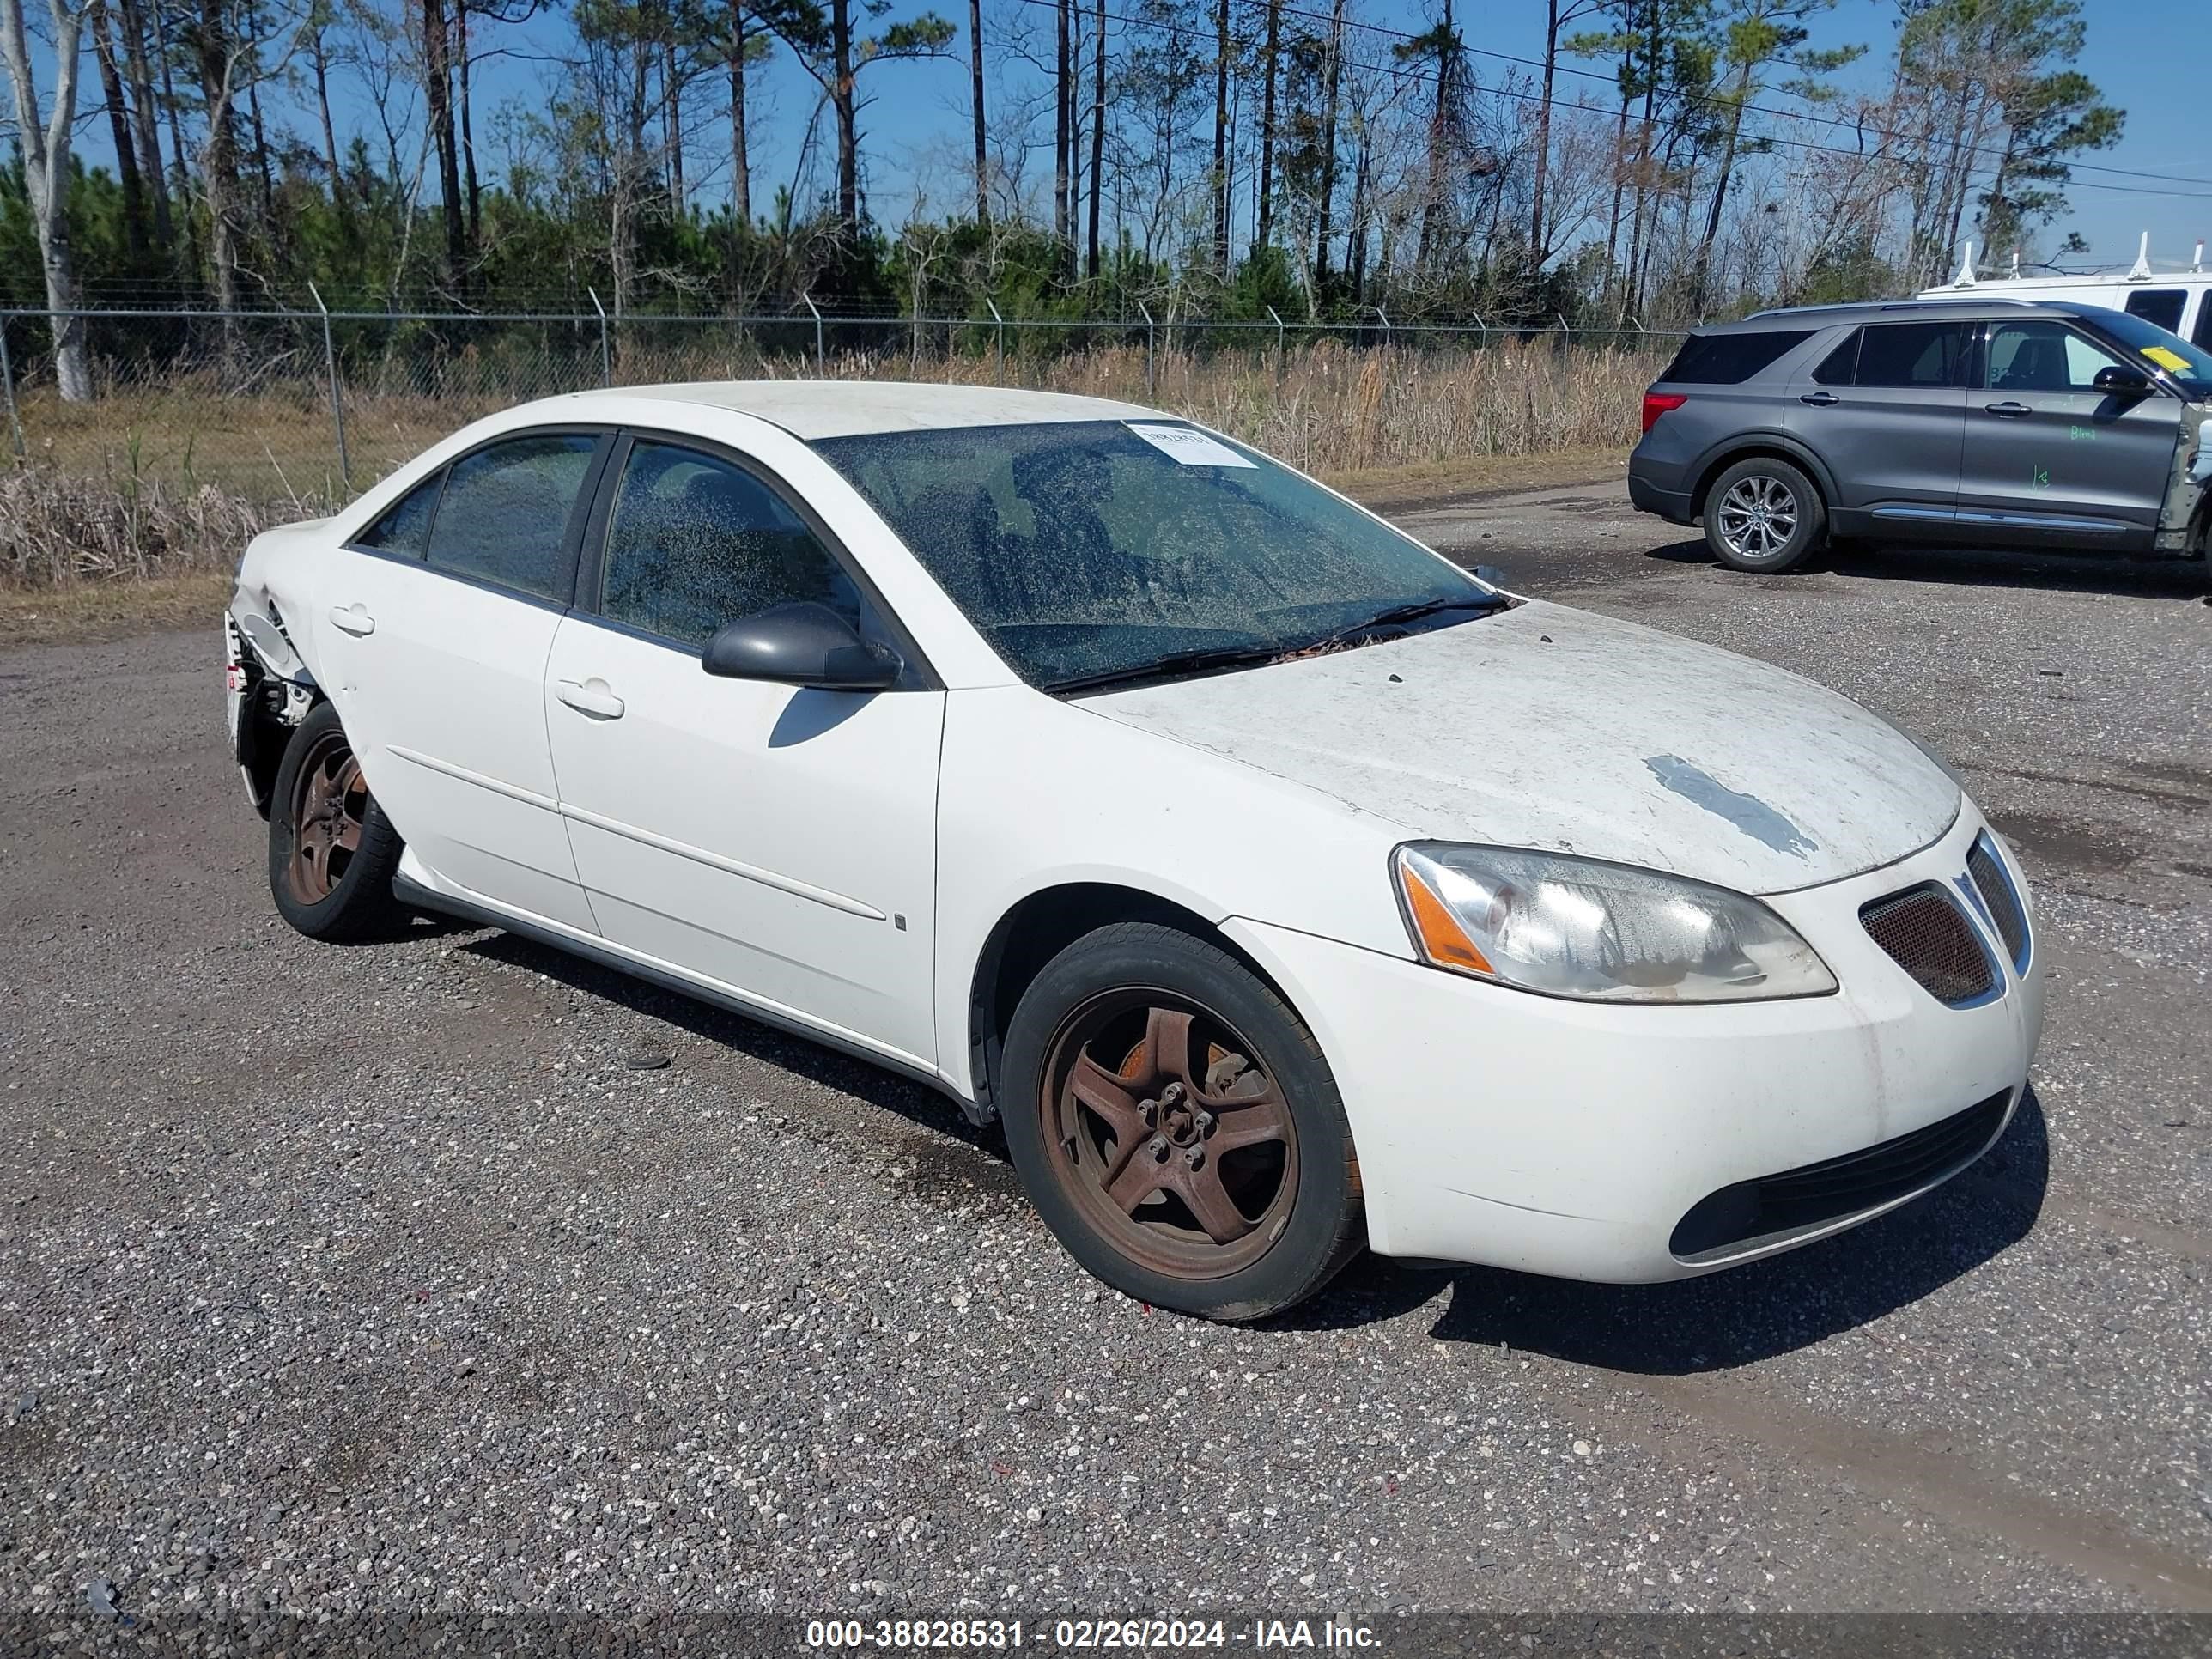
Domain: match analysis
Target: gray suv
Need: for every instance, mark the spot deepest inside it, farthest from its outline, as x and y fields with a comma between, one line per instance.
x=1995, y=423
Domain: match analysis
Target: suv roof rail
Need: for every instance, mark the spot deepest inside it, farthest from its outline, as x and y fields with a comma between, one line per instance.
x=1940, y=303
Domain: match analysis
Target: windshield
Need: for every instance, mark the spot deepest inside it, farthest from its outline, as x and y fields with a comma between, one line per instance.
x=1094, y=550
x=2188, y=366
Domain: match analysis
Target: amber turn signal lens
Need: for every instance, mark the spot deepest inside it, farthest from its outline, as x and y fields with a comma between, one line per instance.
x=1442, y=936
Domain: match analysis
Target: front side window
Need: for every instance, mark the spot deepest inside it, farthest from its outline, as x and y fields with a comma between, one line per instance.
x=504, y=515
x=695, y=542
x=404, y=529
x=2043, y=357
x=2189, y=368
x=1915, y=354
x=2161, y=306
x=1089, y=550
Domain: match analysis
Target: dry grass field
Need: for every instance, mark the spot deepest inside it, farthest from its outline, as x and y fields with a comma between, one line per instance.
x=161, y=481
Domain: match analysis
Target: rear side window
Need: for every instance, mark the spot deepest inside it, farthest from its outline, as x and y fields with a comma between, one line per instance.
x=1730, y=359
x=1841, y=366
x=404, y=529
x=2161, y=306
x=1915, y=354
x=504, y=515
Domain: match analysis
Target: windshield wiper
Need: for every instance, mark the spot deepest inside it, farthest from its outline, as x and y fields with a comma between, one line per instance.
x=1413, y=612
x=1180, y=662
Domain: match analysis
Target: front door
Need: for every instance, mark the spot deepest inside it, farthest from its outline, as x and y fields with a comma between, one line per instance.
x=2050, y=456
x=441, y=617
x=778, y=842
x=1886, y=411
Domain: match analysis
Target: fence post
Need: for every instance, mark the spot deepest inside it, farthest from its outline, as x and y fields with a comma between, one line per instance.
x=1144, y=312
x=7, y=380
x=1282, y=350
x=337, y=406
x=606, y=349
x=1483, y=326
x=997, y=342
x=821, y=366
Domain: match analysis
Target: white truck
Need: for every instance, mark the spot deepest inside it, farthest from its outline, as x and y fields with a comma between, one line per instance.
x=2179, y=300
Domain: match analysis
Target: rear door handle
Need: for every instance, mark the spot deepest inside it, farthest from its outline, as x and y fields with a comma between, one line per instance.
x=590, y=697
x=1819, y=399
x=2008, y=408
x=353, y=619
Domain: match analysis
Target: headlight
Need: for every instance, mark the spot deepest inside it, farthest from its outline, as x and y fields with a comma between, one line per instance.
x=1604, y=933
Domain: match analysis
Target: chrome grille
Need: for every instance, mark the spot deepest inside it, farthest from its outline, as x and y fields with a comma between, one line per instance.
x=1927, y=934
x=1994, y=882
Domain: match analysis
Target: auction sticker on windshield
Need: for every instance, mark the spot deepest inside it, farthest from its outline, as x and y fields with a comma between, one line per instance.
x=1191, y=447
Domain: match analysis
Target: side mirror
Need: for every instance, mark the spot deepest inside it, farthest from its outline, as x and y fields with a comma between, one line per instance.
x=2115, y=381
x=801, y=644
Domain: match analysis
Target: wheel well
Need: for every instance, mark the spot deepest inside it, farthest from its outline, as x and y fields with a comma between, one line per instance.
x=1759, y=452
x=1038, y=929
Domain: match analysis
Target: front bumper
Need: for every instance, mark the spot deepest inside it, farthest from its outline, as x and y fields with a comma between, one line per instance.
x=1573, y=1138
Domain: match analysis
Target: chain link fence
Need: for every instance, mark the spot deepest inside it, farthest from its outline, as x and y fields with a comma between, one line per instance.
x=279, y=414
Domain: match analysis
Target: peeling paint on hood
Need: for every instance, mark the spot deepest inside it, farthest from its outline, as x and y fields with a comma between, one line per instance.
x=1568, y=731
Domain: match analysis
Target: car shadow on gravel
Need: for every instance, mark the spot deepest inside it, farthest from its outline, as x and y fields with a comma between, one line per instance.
x=810, y=1061
x=1726, y=1319
x=2055, y=572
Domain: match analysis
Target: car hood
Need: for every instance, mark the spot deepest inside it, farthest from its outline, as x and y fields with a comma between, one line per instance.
x=1547, y=727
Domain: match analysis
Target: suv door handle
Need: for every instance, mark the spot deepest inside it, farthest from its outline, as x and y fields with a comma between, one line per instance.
x=353, y=619
x=1819, y=399
x=2008, y=408
x=590, y=697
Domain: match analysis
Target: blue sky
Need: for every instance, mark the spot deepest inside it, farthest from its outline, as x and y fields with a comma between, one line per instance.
x=2147, y=57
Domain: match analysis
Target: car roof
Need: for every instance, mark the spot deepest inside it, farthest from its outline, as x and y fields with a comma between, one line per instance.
x=1869, y=311
x=842, y=408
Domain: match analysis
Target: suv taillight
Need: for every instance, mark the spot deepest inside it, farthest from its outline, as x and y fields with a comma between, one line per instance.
x=1656, y=403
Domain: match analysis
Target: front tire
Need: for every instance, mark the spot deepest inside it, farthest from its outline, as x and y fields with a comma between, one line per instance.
x=1175, y=1124
x=331, y=851
x=1763, y=515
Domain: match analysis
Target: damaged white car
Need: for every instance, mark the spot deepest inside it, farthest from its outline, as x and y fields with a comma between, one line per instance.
x=1280, y=887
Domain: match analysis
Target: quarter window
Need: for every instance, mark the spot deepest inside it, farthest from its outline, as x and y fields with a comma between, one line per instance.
x=2043, y=357
x=1730, y=359
x=404, y=529
x=504, y=516
x=1915, y=354
x=695, y=542
x=1841, y=366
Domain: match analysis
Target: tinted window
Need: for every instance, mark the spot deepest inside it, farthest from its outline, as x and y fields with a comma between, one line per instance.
x=404, y=529
x=504, y=516
x=2043, y=357
x=695, y=543
x=2203, y=333
x=1840, y=366
x=1915, y=354
x=1096, y=547
x=2161, y=306
x=1730, y=359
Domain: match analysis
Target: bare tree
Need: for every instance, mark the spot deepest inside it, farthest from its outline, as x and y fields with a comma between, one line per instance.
x=45, y=137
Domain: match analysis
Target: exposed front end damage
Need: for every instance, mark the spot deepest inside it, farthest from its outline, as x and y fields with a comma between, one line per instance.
x=268, y=691
x=2184, y=521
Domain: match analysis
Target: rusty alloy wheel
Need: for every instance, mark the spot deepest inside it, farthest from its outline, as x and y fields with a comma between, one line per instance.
x=330, y=799
x=1168, y=1135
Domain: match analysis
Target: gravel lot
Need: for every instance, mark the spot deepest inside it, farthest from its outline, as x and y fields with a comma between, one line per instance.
x=402, y=1277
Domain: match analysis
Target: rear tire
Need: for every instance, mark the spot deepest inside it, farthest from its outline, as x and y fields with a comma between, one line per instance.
x=1176, y=1126
x=1763, y=515
x=331, y=851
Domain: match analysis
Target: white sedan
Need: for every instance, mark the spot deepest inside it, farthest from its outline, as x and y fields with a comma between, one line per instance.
x=1278, y=885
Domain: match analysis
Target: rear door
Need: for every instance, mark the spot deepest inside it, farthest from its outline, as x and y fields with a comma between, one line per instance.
x=780, y=842
x=2050, y=456
x=442, y=620
x=1886, y=410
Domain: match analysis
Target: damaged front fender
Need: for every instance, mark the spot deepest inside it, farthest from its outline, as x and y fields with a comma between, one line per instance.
x=2184, y=519
x=268, y=691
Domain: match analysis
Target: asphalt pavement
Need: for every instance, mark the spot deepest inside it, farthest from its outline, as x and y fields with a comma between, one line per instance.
x=454, y=1274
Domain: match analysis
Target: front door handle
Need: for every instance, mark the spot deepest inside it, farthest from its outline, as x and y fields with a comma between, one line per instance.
x=2008, y=408
x=590, y=697
x=353, y=619
x=1819, y=399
